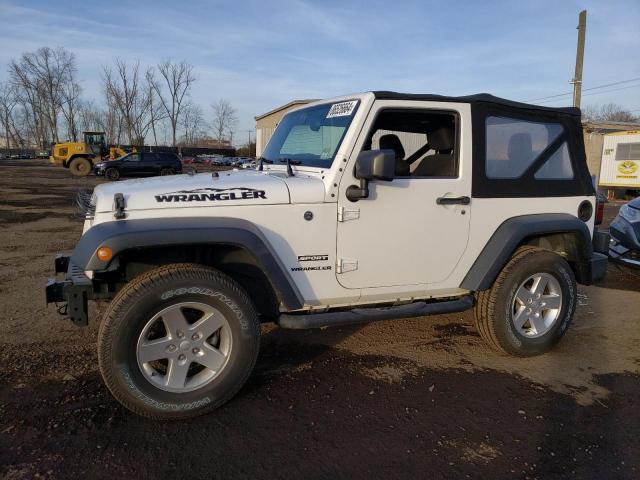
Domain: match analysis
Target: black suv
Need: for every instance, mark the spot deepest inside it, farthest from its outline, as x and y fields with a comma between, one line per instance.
x=138, y=164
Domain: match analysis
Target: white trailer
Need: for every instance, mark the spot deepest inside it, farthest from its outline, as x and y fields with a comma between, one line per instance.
x=620, y=167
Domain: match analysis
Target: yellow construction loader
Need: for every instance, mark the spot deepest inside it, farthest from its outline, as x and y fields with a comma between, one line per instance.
x=80, y=157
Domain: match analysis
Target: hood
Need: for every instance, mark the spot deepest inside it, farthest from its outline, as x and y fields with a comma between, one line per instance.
x=230, y=188
x=635, y=203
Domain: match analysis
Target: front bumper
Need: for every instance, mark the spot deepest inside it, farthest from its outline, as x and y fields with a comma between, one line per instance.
x=625, y=242
x=626, y=233
x=75, y=290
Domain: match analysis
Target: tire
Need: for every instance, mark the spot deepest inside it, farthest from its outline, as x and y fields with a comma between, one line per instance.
x=507, y=320
x=80, y=166
x=124, y=341
x=167, y=171
x=112, y=173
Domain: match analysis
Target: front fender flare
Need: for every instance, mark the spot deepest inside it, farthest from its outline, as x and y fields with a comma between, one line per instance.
x=131, y=234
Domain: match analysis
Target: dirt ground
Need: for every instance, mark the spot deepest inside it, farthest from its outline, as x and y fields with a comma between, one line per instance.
x=416, y=398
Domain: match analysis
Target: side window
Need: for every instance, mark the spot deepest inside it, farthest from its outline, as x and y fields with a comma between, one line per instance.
x=512, y=145
x=424, y=141
x=133, y=157
x=557, y=167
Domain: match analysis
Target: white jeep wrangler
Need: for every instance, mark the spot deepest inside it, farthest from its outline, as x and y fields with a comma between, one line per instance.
x=371, y=206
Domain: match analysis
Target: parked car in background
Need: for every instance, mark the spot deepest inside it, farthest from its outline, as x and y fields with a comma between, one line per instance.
x=222, y=161
x=625, y=235
x=247, y=163
x=138, y=164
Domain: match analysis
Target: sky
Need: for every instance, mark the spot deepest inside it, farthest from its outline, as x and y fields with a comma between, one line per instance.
x=262, y=54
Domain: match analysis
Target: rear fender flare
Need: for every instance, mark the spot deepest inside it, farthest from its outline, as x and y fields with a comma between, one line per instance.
x=514, y=232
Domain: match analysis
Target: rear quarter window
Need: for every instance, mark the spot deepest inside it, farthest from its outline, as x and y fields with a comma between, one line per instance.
x=512, y=145
x=528, y=152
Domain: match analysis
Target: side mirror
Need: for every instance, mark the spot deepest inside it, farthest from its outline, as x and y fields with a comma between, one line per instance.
x=376, y=165
x=372, y=165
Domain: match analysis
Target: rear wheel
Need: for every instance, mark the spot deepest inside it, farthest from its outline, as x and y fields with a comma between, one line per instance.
x=530, y=305
x=80, y=166
x=112, y=174
x=178, y=342
x=167, y=171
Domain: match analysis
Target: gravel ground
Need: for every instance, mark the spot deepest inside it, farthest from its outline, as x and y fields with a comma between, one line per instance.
x=408, y=398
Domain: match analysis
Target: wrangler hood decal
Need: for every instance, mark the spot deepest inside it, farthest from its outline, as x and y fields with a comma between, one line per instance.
x=212, y=194
x=232, y=188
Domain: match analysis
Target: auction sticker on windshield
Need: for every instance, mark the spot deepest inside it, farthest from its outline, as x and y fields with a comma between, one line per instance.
x=342, y=109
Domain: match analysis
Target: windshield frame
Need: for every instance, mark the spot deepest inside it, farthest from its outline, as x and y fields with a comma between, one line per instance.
x=323, y=163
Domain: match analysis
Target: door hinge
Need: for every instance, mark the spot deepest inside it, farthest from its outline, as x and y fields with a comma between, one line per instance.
x=346, y=265
x=345, y=214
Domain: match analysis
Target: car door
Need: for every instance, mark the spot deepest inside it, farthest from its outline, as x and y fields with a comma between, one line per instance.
x=414, y=229
x=131, y=164
x=150, y=163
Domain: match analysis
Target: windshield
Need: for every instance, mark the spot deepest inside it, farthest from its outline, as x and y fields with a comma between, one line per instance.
x=311, y=136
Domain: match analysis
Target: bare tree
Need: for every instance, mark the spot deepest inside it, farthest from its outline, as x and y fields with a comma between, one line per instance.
x=71, y=108
x=41, y=78
x=172, y=90
x=125, y=90
x=112, y=123
x=194, y=125
x=610, y=112
x=8, y=102
x=157, y=113
x=224, y=119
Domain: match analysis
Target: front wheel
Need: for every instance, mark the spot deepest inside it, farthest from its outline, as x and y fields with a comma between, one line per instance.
x=112, y=174
x=178, y=341
x=80, y=167
x=167, y=171
x=530, y=305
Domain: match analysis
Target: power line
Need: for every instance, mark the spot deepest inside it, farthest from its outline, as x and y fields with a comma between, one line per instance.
x=586, y=89
x=614, y=89
x=612, y=84
x=598, y=93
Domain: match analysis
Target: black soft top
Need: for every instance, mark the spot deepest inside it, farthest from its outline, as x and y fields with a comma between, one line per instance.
x=477, y=98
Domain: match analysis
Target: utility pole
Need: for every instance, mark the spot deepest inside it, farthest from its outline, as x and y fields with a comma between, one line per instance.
x=577, y=77
x=249, y=144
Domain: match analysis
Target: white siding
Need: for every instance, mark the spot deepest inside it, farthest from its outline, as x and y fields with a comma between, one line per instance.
x=619, y=173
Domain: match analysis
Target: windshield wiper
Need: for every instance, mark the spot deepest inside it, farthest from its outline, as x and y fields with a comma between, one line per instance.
x=290, y=161
x=263, y=161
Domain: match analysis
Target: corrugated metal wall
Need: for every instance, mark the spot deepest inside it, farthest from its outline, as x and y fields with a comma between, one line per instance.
x=263, y=135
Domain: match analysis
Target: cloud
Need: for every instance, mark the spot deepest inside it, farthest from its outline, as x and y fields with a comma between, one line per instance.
x=261, y=54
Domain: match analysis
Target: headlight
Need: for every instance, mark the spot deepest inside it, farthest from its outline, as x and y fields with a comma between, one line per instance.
x=630, y=214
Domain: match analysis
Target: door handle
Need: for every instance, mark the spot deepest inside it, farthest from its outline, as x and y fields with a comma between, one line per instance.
x=453, y=200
